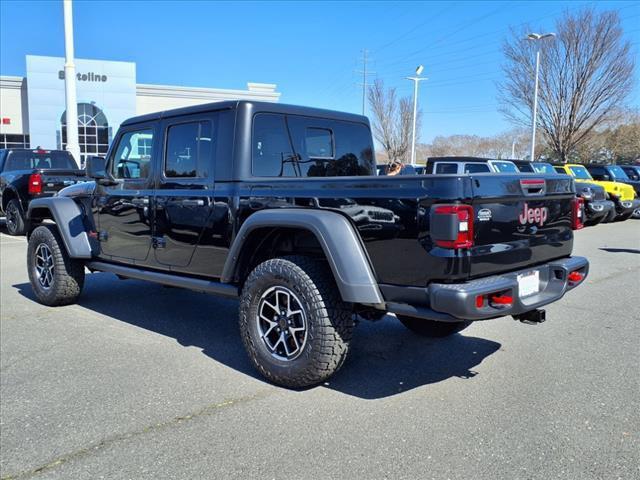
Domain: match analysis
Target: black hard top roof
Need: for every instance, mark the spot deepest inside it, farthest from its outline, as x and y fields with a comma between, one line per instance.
x=255, y=107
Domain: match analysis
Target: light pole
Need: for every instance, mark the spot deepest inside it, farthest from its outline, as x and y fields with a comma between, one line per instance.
x=536, y=37
x=415, y=80
x=70, y=84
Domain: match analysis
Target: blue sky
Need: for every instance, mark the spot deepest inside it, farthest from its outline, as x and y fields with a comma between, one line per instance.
x=310, y=49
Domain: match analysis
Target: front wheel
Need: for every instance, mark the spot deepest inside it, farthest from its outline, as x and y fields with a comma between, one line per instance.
x=429, y=328
x=636, y=213
x=56, y=278
x=294, y=325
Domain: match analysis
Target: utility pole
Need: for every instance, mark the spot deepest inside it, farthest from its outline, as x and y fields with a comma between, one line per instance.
x=536, y=37
x=365, y=73
x=513, y=150
x=73, y=146
x=417, y=79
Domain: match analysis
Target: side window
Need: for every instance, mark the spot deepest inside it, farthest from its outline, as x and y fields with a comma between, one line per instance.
x=476, y=168
x=560, y=170
x=132, y=157
x=526, y=168
x=319, y=143
x=188, y=150
x=446, y=168
x=272, y=155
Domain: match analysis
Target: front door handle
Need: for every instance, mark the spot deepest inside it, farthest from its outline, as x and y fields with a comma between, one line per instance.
x=192, y=203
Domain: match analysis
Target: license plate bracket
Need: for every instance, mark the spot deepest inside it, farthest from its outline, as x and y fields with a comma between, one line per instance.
x=528, y=283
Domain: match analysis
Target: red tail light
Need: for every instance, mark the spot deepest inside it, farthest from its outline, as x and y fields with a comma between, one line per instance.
x=462, y=226
x=577, y=216
x=35, y=184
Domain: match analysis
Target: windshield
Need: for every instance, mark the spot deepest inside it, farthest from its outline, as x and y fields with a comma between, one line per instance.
x=581, y=173
x=618, y=173
x=28, y=160
x=543, y=168
x=505, y=167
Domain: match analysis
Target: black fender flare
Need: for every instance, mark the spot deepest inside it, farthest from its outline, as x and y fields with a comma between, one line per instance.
x=68, y=217
x=339, y=241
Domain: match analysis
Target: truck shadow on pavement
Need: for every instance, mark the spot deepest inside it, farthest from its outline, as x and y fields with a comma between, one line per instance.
x=620, y=250
x=385, y=359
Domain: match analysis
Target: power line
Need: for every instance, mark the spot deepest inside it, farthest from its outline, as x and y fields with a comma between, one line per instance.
x=365, y=73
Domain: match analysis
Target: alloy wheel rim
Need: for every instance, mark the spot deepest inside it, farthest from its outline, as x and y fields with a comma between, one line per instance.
x=282, y=323
x=44, y=266
x=11, y=217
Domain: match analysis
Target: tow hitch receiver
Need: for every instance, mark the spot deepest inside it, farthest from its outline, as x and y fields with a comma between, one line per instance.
x=532, y=317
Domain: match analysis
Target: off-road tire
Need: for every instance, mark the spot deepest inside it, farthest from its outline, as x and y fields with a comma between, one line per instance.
x=68, y=273
x=330, y=321
x=429, y=328
x=14, y=218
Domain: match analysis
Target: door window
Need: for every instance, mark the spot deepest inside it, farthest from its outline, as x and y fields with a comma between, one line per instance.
x=446, y=168
x=188, y=151
x=132, y=158
x=476, y=168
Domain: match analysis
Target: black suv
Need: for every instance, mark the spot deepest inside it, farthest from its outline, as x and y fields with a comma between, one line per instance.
x=280, y=206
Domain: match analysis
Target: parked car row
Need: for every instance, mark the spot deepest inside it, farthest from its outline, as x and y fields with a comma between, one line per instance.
x=609, y=192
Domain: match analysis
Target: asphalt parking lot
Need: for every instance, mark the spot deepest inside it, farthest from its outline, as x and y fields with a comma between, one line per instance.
x=139, y=381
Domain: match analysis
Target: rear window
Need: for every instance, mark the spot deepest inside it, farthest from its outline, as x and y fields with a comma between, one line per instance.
x=296, y=146
x=28, y=160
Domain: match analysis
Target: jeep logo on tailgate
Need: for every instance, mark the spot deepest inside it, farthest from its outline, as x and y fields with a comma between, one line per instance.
x=537, y=215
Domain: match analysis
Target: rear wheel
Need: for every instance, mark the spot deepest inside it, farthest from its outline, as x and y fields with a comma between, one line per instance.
x=294, y=325
x=14, y=218
x=56, y=278
x=429, y=328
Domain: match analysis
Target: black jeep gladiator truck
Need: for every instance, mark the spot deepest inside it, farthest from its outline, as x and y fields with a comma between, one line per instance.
x=27, y=174
x=280, y=206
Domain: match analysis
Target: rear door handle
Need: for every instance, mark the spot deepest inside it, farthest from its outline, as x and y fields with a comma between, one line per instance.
x=192, y=203
x=140, y=201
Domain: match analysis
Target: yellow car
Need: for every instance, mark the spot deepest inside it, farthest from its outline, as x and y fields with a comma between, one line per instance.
x=623, y=195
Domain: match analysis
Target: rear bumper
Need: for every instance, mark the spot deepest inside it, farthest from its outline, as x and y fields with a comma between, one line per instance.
x=455, y=302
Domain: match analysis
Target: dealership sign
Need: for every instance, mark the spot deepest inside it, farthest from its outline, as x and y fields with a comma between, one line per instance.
x=108, y=86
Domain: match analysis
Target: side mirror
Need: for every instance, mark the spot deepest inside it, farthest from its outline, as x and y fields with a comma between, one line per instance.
x=95, y=167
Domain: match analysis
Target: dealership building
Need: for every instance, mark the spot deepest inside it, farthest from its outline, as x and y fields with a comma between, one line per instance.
x=32, y=108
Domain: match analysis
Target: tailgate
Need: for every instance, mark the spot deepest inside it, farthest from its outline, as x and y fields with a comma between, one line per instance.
x=520, y=221
x=54, y=180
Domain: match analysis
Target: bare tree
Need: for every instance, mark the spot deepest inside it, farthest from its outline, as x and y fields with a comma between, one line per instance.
x=392, y=121
x=585, y=74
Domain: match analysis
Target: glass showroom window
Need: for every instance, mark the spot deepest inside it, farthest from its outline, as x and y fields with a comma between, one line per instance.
x=93, y=131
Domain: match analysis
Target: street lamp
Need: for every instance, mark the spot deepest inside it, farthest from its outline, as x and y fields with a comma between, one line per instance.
x=415, y=80
x=536, y=37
